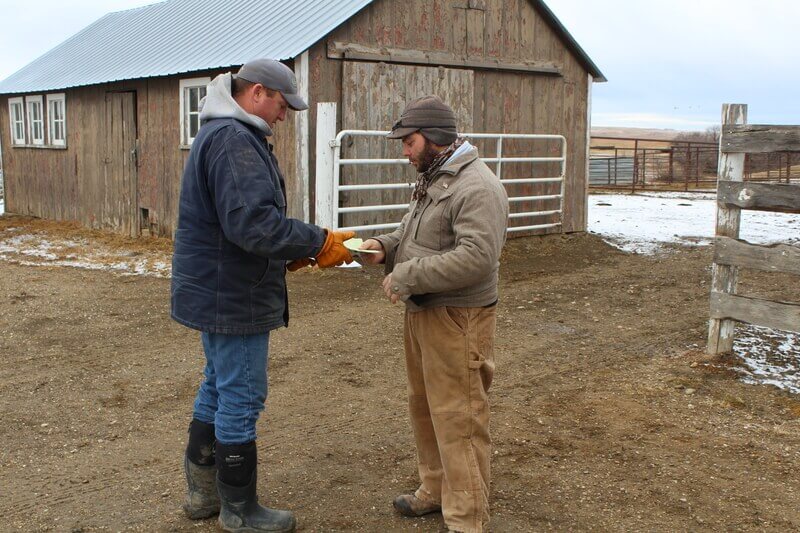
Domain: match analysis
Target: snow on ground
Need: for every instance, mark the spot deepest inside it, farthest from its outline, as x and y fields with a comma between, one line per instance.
x=36, y=250
x=643, y=223
x=771, y=357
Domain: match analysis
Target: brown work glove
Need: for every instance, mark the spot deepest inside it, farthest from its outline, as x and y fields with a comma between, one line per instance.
x=297, y=264
x=333, y=252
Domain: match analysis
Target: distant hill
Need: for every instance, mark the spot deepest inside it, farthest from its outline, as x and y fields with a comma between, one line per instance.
x=638, y=133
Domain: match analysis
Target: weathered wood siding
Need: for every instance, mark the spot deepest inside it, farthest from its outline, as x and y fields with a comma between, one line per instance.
x=120, y=184
x=75, y=183
x=68, y=184
x=501, y=31
x=374, y=95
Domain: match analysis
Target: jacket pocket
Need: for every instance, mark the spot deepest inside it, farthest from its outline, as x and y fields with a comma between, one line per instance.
x=264, y=275
x=428, y=231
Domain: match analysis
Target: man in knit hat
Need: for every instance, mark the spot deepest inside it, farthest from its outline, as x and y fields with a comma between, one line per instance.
x=442, y=262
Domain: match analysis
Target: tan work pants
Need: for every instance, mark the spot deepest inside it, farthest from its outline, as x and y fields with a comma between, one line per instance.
x=450, y=364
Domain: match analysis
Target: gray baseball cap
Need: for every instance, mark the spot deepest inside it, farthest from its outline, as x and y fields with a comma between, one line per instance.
x=273, y=75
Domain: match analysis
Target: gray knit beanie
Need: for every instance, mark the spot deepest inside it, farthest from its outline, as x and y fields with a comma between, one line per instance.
x=430, y=116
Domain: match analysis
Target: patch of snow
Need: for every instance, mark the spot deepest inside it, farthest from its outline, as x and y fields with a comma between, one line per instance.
x=770, y=357
x=33, y=250
x=39, y=249
x=38, y=252
x=710, y=195
x=644, y=223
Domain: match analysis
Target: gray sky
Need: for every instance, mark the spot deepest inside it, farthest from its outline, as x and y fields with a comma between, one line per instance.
x=673, y=63
x=670, y=63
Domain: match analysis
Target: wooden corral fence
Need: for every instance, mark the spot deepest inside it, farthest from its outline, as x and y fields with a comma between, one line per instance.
x=731, y=253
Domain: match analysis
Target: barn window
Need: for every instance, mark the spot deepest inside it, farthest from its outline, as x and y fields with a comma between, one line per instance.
x=35, y=119
x=17, y=120
x=192, y=91
x=56, y=120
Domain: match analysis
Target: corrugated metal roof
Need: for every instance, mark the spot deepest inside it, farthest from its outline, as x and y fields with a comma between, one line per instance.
x=178, y=36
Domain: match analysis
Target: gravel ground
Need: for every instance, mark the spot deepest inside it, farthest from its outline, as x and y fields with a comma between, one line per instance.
x=606, y=413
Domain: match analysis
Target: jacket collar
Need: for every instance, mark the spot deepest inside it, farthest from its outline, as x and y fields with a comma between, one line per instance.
x=454, y=165
x=440, y=188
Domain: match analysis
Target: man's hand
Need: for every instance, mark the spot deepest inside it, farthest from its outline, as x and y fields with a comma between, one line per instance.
x=297, y=264
x=373, y=259
x=387, y=289
x=333, y=252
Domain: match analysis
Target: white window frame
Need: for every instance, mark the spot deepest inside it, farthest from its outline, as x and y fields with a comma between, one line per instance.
x=12, y=120
x=30, y=103
x=55, y=100
x=189, y=83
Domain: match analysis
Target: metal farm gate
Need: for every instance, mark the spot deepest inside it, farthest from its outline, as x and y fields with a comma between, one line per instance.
x=536, y=202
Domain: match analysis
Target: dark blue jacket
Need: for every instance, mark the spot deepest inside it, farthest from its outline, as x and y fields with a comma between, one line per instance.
x=233, y=236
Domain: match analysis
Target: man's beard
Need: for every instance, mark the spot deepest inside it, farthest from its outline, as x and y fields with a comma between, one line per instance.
x=427, y=157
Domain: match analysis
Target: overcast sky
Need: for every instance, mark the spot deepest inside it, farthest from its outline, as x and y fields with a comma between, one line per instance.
x=670, y=64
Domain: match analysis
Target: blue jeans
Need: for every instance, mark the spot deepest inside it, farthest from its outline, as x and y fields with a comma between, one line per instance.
x=234, y=389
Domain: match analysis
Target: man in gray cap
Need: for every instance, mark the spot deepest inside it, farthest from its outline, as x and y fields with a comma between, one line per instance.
x=442, y=262
x=229, y=266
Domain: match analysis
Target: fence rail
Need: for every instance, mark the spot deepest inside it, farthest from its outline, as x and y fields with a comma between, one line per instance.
x=645, y=164
x=330, y=163
x=771, y=258
x=760, y=196
x=757, y=139
x=731, y=253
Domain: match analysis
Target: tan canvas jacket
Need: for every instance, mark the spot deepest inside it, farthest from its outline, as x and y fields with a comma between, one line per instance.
x=446, y=251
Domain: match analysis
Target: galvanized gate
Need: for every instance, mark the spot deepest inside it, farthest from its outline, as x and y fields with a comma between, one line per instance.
x=329, y=205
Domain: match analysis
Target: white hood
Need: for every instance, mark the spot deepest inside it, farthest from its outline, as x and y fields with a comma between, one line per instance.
x=218, y=103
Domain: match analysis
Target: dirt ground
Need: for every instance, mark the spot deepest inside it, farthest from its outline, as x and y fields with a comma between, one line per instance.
x=606, y=413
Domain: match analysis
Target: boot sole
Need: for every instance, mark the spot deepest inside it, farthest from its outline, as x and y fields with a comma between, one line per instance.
x=251, y=530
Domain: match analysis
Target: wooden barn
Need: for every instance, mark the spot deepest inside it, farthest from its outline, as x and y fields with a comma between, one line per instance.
x=97, y=130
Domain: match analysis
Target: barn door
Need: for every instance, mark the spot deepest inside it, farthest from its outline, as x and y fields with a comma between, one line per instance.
x=120, y=198
x=373, y=97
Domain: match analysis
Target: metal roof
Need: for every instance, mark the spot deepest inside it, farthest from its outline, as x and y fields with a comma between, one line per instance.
x=569, y=40
x=178, y=36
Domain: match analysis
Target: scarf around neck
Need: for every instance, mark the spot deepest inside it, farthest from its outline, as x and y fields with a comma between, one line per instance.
x=426, y=178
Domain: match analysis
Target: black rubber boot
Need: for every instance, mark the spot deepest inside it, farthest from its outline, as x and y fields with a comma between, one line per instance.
x=199, y=465
x=241, y=512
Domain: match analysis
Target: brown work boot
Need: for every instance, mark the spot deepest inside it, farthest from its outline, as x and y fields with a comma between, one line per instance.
x=410, y=505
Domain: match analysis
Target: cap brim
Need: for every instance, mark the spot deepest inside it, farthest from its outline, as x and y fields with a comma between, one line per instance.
x=295, y=102
x=399, y=133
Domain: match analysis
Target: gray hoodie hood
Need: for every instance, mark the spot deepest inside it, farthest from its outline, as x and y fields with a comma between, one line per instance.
x=218, y=103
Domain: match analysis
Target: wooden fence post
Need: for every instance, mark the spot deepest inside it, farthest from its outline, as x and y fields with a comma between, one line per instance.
x=724, y=277
x=326, y=132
